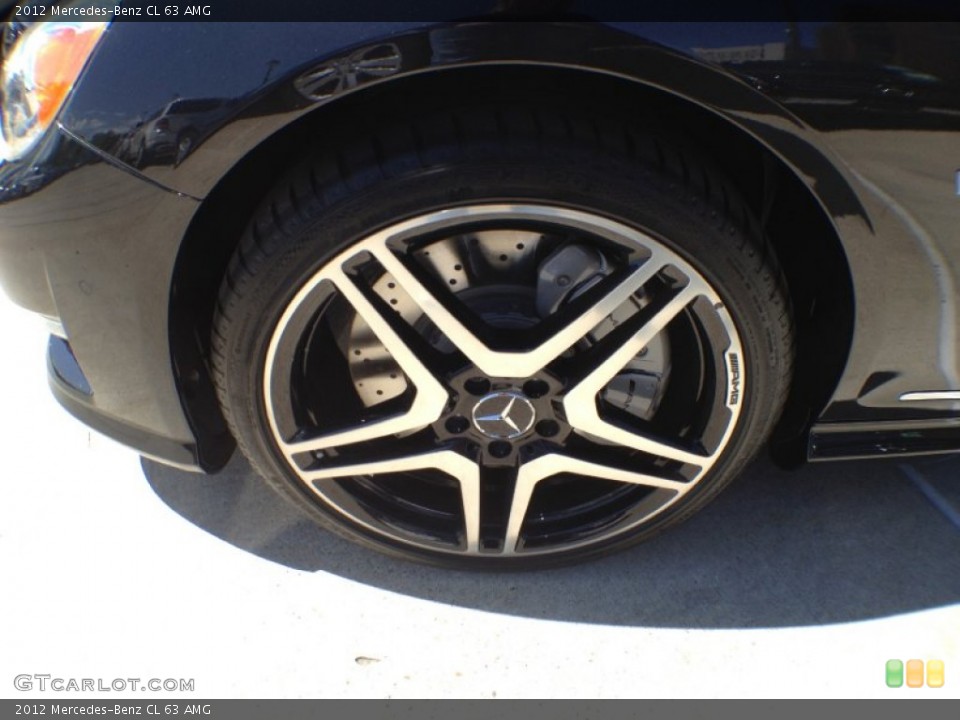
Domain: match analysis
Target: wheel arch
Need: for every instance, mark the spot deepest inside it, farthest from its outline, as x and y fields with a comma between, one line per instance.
x=794, y=188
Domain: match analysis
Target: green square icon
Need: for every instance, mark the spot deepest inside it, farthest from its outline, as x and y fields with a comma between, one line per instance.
x=894, y=673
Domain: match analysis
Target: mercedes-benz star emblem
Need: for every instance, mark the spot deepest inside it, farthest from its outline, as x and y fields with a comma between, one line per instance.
x=504, y=415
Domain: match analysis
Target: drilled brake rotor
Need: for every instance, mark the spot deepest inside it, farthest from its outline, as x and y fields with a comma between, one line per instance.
x=505, y=261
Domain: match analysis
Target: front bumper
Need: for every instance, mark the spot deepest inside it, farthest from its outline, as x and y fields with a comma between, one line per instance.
x=94, y=246
x=68, y=385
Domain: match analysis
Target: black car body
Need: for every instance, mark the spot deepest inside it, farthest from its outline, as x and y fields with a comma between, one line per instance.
x=843, y=138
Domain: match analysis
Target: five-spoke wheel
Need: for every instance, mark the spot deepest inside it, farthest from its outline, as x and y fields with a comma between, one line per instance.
x=504, y=379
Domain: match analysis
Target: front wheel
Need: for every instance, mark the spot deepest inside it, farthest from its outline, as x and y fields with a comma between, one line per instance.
x=501, y=348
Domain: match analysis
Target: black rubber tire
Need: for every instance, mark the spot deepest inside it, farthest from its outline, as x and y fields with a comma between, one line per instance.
x=547, y=154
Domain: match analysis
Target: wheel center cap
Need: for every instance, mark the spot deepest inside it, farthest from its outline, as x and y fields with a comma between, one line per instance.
x=504, y=415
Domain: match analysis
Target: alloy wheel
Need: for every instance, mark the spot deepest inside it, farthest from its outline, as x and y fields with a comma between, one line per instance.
x=503, y=380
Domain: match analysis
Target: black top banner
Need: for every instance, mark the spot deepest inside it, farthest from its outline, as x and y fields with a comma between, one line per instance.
x=445, y=10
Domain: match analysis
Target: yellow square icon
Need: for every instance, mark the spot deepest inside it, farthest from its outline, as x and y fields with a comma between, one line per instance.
x=935, y=673
x=914, y=673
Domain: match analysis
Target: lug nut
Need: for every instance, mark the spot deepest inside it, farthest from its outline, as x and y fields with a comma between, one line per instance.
x=500, y=449
x=477, y=386
x=535, y=388
x=456, y=424
x=547, y=428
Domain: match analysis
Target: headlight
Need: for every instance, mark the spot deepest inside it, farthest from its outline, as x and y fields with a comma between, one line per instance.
x=41, y=68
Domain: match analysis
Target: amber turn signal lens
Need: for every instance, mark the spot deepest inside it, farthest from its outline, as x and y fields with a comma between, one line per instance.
x=59, y=63
x=38, y=74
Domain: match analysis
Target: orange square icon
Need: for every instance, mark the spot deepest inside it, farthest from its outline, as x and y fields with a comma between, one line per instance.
x=935, y=673
x=914, y=673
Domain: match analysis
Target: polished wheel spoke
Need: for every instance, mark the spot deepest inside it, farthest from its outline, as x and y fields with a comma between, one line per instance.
x=519, y=364
x=430, y=398
x=465, y=471
x=580, y=402
x=532, y=473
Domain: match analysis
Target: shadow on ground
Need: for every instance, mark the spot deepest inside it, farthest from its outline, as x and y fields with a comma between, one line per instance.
x=824, y=544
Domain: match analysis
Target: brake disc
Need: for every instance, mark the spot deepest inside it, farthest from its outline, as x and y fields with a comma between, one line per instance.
x=494, y=253
x=509, y=257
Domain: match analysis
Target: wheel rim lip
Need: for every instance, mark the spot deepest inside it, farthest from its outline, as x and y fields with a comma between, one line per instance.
x=558, y=215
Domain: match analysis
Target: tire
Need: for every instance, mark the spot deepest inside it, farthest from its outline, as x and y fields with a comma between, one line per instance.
x=502, y=338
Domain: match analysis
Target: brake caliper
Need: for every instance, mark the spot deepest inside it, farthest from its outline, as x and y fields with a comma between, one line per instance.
x=568, y=273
